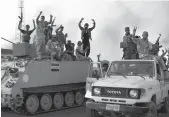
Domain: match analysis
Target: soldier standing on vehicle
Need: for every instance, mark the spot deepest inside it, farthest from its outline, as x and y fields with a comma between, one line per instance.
x=40, y=35
x=26, y=33
x=48, y=31
x=143, y=45
x=61, y=37
x=130, y=48
x=86, y=35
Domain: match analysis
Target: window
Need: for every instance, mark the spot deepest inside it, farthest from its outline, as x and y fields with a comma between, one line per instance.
x=132, y=68
x=158, y=69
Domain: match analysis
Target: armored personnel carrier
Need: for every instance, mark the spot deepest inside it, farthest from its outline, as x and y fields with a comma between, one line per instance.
x=35, y=86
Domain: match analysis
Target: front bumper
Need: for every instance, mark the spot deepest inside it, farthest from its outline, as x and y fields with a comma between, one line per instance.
x=119, y=108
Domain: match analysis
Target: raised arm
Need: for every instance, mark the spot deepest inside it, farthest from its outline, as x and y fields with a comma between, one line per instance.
x=53, y=22
x=37, y=19
x=33, y=27
x=19, y=25
x=135, y=40
x=65, y=38
x=81, y=28
x=58, y=29
x=51, y=17
x=94, y=25
x=98, y=57
x=164, y=53
x=157, y=41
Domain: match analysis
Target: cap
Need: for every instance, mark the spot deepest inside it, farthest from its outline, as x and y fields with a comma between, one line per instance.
x=127, y=28
x=61, y=27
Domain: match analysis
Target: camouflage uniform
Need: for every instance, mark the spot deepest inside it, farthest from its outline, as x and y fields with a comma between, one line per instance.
x=130, y=48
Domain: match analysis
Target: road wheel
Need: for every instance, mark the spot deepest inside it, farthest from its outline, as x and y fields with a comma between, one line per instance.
x=79, y=98
x=58, y=100
x=32, y=104
x=46, y=102
x=69, y=99
x=152, y=110
x=166, y=105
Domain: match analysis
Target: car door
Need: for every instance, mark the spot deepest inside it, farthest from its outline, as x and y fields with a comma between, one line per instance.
x=160, y=78
x=162, y=85
x=94, y=74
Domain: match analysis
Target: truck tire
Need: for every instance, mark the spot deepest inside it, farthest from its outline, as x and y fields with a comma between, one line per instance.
x=152, y=110
x=166, y=105
x=32, y=104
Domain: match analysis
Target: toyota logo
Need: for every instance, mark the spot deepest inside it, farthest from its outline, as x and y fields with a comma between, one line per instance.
x=113, y=92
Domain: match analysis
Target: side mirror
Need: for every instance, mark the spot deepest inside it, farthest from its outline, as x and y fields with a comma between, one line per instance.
x=159, y=77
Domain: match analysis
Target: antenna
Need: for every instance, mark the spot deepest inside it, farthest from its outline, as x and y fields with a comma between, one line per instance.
x=18, y=35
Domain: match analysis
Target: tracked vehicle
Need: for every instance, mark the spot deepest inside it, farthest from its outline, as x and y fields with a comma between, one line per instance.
x=35, y=86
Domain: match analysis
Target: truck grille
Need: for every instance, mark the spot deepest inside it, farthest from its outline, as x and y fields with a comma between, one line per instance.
x=114, y=92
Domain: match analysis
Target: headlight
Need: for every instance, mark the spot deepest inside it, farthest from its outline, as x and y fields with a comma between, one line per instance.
x=96, y=91
x=133, y=93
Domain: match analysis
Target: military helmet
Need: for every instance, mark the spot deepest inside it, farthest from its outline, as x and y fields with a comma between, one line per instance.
x=104, y=62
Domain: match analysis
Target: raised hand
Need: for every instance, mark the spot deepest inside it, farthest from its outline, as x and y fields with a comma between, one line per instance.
x=40, y=12
x=66, y=35
x=82, y=19
x=33, y=21
x=93, y=20
x=134, y=30
x=51, y=15
x=98, y=55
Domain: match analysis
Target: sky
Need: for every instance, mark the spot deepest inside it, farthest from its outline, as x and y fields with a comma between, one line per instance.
x=111, y=18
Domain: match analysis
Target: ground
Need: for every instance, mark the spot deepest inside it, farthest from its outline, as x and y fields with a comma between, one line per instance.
x=75, y=112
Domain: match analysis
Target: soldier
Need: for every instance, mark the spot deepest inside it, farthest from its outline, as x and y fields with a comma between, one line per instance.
x=104, y=64
x=143, y=45
x=53, y=48
x=80, y=54
x=61, y=37
x=86, y=35
x=48, y=31
x=40, y=34
x=130, y=48
x=26, y=33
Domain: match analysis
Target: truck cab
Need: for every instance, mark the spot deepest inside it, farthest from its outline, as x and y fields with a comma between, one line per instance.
x=130, y=87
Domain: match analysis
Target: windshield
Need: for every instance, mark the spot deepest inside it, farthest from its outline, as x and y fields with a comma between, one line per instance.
x=132, y=68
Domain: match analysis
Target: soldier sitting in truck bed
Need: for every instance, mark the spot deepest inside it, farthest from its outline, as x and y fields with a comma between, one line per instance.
x=143, y=45
x=153, y=53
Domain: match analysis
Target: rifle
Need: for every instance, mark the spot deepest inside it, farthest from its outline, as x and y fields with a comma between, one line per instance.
x=53, y=22
x=8, y=40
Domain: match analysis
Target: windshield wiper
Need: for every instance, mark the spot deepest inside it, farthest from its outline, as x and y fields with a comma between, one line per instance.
x=117, y=74
x=142, y=77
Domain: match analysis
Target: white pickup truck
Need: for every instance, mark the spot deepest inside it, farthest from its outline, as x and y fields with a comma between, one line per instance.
x=137, y=88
